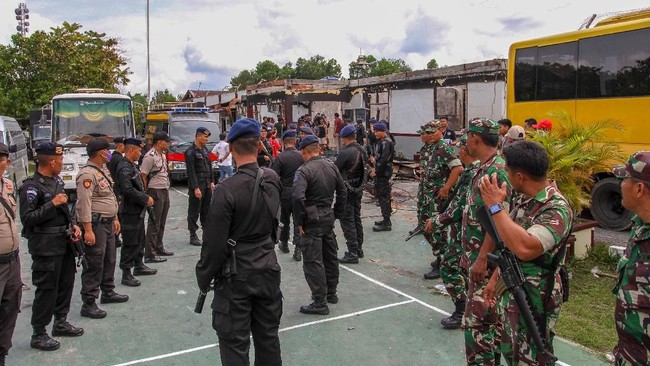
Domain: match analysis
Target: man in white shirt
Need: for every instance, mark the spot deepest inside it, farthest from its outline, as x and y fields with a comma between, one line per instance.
x=222, y=151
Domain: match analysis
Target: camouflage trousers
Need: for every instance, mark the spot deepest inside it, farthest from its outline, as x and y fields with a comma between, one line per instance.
x=632, y=326
x=517, y=345
x=482, y=326
x=453, y=275
x=429, y=206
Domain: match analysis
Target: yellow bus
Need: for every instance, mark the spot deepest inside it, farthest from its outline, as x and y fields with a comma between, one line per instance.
x=597, y=73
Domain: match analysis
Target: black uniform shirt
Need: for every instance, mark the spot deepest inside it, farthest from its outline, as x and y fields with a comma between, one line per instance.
x=351, y=163
x=286, y=165
x=314, y=185
x=230, y=218
x=132, y=188
x=199, y=167
x=265, y=150
x=116, y=157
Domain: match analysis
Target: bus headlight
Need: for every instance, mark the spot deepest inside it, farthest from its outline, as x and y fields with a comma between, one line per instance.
x=68, y=167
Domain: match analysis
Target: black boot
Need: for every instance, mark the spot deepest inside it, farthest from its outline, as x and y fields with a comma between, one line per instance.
x=62, y=328
x=40, y=340
x=315, y=308
x=332, y=298
x=360, y=253
x=384, y=225
x=454, y=321
x=194, y=240
x=283, y=246
x=349, y=258
x=297, y=253
x=380, y=222
x=142, y=270
x=112, y=297
x=128, y=279
x=435, y=270
x=90, y=310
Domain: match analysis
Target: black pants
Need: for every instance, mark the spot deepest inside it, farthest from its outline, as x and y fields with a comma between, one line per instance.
x=156, y=225
x=132, y=241
x=53, y=277
x=198, y=208
x=101, y=258
x=382, y=191
x=10, y=295
x=351, y=222
x=320, y=262
x=285, y=218
x=242, y=307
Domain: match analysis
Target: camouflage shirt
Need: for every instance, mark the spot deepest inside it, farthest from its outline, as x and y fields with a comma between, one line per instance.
x=472, y=234
x=426, y=152
x=437, y=170
x=632, y=313
x=454, y=212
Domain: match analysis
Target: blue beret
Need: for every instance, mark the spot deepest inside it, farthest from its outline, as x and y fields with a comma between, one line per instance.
x=203, y=130
x=380, y=126
x=288, y=134
x=373, y=120
x=348, y=130
x=306, y=130
x=307, y=140
x=49, y=148
x=97, y=144
x=133, y=141
x=359, y=119
x=293, y=125
x=245, y=127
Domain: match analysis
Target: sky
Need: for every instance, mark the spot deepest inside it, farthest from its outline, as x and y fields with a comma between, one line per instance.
x=201, y=44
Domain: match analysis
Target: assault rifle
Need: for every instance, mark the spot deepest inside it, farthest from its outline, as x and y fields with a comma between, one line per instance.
x=77, y=245
x=514, y=279
x=418, y=230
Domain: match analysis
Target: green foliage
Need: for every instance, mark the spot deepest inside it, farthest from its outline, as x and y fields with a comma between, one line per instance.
x=244, y=78
x=369, y=65
x=162, y=96
x=140, y=106
x=316, y=67
x=33, y=69
x=432, y=64
x=576, y=152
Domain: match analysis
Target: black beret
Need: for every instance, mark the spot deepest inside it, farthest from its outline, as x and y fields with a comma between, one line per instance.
x=118, y=139
x=161, y=135
x=133, y=141
x=97, y=144
x=307, y=140
x=49, y=149
x=245, y=127
x=203, y=130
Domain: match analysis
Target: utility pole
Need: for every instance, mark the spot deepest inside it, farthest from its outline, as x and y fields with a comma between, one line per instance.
x=22, y=16
x=148, y=61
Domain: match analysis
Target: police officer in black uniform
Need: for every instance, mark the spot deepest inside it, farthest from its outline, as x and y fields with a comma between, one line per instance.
x=200, y=182
x=134, y=204
x=47, y=226
x=351, y=162
x=383, y=161
x=247, y=294
x=116, y=156
x=313, y=193
x=265, y=153
x=286, y=165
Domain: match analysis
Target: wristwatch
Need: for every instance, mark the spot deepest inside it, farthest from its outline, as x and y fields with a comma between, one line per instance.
x=495, y=209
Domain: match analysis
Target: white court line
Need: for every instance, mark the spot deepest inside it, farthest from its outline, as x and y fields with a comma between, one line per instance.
x=167, y=355
x=412, y=298
x=395, y=290
x=183, y=193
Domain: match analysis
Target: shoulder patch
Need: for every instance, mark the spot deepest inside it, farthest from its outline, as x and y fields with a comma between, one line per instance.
x=87, y=183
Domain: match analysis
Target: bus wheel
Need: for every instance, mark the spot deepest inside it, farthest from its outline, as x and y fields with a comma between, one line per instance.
x=606, y=207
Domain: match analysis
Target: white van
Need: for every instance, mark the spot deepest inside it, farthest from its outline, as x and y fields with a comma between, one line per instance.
x=12, y=135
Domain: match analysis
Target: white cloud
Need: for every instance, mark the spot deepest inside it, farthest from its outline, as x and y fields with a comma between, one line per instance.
x=209, y=41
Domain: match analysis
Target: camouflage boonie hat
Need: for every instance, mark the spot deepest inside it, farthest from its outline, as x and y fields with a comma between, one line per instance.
x=483, y=125
x=432, y=126
x=637, y=167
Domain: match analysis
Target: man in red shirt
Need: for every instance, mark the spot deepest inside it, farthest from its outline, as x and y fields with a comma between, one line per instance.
x=338, y=126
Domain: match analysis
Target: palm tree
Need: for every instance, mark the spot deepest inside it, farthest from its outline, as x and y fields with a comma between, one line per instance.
x=576, y=152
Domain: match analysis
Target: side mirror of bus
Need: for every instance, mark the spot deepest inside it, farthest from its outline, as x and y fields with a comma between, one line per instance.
x=13, y=148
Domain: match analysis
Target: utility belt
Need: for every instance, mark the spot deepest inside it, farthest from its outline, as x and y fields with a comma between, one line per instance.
x=234, y=248
x=98, y=218
x=49, y=229
x=9, y=257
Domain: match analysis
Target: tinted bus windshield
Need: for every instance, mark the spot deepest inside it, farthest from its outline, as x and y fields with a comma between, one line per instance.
x=42, y=132
x=77, y=121
x=185, y=130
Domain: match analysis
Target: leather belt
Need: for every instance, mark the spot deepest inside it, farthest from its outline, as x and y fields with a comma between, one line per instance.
x=49, y=229
x=9, y=257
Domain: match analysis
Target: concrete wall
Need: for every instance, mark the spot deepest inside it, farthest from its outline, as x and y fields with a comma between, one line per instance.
x=486, y=100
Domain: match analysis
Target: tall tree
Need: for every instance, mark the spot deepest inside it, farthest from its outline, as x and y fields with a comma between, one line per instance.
x=316, y=67
x=33, y=69
x=163, y=96
x=387, y=66
x=267, y=70
x=432, y=64
x=244, y=78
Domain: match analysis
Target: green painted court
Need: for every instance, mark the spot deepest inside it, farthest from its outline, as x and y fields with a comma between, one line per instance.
x=387, y=314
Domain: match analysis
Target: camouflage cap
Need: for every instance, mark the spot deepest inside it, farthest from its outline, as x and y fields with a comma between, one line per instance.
x=462, y=141
x=637, y=167
x=483, y=125
x=432, y=126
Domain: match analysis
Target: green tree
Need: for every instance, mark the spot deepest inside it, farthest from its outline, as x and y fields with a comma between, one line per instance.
x=287, y=71
x=432, y=64
x=163, y=96
x=316, y=67
x=140, y=107
x=244, y=78
x=33, y=69
x=267, y=70
x=387, y=66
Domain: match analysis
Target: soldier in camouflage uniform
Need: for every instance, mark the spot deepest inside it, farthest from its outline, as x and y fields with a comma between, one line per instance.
x=632, y=312
x=439, y=174
x=481, y=321
x=453, y=275
x=536, y=233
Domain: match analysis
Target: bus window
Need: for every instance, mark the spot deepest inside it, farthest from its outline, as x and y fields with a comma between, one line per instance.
x=556, y=71
x=525, y=69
